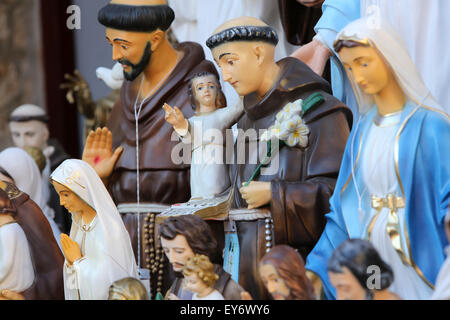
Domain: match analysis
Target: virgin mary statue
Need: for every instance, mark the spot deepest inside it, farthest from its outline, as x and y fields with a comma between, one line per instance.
x=393, y=187
x=99, y=250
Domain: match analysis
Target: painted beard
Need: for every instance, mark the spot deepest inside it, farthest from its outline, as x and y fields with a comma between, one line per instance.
x=137, y=69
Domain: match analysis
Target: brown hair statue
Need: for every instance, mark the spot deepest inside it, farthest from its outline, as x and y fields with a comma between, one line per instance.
x=200, y=278
x=283, y=273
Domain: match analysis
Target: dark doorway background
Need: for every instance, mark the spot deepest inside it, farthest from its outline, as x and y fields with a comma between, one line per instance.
x=58, y=59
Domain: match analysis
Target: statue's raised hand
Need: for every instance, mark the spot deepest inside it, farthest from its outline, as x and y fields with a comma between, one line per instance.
x=175, y=117
x=98, y=152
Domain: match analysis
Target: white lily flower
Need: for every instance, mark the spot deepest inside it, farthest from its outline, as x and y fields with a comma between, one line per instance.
x=289, y=126
x=294, y=132
x=291, y=109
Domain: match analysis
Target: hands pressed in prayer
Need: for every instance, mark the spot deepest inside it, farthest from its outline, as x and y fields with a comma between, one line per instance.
x=314, y=54
x=175, y=117
x=98, y=152
x=256, y=194
x=70, y=248
x=10, y=295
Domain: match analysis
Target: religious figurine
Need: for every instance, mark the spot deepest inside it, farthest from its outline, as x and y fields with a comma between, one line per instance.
x=98, y=251
x=283, y=273
x=127, y=289
x=96, y=113
x=46, y=258
x=155, y=73
x=286, y=203
x=357, y=272
x=206, y=132
x=442, y=287
x=199, y=278
x=184, y=237
x=393, y=185
x=28, y=125
x=16, y=266
x=23, y=171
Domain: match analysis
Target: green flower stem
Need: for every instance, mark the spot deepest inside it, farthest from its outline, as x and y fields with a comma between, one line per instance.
x=266, y=160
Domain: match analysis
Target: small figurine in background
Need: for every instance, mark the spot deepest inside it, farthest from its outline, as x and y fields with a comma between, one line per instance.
x=200, y=278
x=184, y=237
x=206, y=132
x=357, y=272
x=127, y=289
x=98, y=251
x=16, y=266
x=283, y=273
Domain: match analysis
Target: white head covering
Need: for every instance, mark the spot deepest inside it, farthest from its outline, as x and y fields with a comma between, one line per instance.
x=381, y=36
x=81, y=178
x=25, y=173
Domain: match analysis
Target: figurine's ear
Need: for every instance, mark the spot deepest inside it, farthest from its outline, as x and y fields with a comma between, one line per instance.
x=157, y=38
x=260, y=53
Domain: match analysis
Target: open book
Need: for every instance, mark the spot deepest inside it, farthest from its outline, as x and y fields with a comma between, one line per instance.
x=209, y=209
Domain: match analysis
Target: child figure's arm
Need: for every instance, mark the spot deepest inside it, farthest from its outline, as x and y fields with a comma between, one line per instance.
x=176, y=118
x=225, y=118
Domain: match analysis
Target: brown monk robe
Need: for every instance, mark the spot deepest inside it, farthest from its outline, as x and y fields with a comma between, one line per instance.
x=306, y=176
x=46, y=256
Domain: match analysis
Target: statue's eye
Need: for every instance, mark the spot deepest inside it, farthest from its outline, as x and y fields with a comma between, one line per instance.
x=230, y=62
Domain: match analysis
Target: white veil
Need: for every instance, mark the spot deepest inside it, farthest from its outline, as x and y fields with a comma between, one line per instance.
x=381, y=36
x=25, y=173
x=81, y=178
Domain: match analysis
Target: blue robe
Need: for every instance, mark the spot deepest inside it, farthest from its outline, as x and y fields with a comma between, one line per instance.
x=424, y=170
x=336, y=14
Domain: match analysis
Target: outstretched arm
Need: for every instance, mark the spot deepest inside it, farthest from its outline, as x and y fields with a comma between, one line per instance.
x=175, y=117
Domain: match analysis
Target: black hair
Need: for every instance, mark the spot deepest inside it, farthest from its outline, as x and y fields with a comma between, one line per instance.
x=136, y=18
x=197, y=232
x=358, y=255
x=243, y=33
